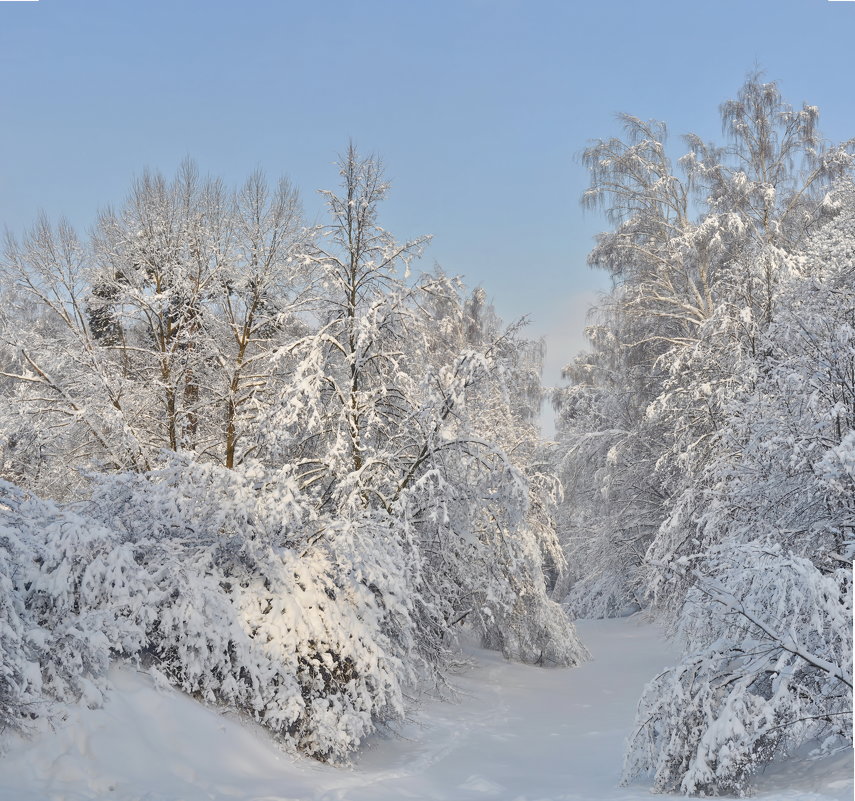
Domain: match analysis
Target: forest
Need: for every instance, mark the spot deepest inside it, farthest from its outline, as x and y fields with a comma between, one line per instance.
x=280, y=468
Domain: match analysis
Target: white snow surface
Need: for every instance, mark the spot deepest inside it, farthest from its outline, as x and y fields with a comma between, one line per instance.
x=517, y=733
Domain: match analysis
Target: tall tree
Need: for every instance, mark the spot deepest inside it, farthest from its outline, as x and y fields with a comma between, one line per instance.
x=692, y=245
x=406, y=418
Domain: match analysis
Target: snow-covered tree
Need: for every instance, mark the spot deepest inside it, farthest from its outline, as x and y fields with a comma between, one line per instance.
x=696, y=251
x=286, y=472
x=754, y=560
x=159, y=332
x=767, y=667
x=707, y=443
x=407, y=415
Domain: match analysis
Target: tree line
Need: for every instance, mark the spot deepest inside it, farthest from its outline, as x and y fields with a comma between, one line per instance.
x=268, y=461
x=280, y=468
x=707, y=437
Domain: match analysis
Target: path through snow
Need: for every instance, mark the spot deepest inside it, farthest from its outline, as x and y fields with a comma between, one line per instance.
x=518, y=734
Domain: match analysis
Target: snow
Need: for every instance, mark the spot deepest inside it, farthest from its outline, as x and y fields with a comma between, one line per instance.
x=516, y=733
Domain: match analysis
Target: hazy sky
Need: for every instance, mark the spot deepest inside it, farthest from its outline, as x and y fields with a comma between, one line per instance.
x=479, y=108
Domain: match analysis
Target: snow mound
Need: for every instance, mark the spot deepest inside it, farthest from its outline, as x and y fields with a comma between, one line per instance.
x=517, y=733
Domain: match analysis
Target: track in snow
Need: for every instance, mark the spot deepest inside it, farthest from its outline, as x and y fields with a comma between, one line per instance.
x=517, y=734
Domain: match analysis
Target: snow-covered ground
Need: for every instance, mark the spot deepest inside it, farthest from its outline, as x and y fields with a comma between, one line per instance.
x=517, y=734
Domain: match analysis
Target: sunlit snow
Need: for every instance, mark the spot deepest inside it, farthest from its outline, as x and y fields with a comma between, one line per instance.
x=516, y=733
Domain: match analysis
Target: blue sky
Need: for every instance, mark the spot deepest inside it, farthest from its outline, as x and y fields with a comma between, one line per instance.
x=479, y=108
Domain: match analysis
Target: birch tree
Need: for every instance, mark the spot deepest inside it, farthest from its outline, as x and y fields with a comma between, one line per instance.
x=697, y=250
x=398, y=420
x=159, y=333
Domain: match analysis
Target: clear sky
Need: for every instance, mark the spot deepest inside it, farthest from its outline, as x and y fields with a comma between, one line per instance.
x=479, y=109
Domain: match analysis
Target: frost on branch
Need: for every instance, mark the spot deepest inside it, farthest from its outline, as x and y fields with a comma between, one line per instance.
x=197, y=582
x=310, y=467
x=767, y=667
x=754, y=560
x=707, y=435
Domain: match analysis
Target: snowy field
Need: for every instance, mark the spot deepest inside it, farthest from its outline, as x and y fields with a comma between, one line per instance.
x=517, y=734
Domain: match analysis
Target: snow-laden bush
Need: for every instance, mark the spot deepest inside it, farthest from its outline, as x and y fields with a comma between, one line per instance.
x=194, y=572
x=69, y=592
x=485, y=528
x=287, y=627
x=231, y=586
x=767, y=666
